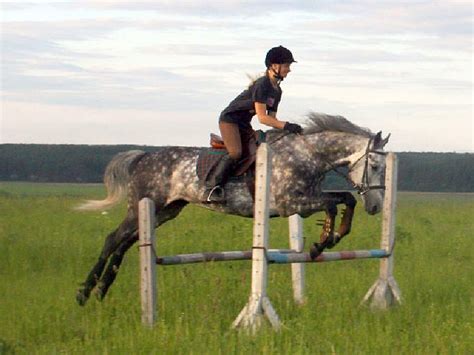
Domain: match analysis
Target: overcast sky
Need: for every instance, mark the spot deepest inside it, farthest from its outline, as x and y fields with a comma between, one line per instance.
x=160, y=72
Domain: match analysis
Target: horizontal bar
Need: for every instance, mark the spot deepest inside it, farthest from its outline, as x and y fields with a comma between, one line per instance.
x=286, y=258
x=275, y=256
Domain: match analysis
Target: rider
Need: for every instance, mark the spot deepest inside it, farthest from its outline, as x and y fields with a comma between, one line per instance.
x=261, y=98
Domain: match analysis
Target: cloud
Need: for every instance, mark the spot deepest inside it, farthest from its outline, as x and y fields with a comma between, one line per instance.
x=151, y=89
x=201, y=8
x=55, y=124
x=364, y=59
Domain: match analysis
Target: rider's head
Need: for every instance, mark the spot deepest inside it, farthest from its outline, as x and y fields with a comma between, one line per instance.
x=278, y=61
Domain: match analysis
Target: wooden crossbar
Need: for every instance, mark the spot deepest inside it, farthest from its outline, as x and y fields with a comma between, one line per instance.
x=275, y=256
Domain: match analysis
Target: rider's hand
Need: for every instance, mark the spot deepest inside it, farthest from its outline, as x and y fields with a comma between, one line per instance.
x=293, y=128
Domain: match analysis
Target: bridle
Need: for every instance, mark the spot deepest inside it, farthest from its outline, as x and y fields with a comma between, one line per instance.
x=364, y=186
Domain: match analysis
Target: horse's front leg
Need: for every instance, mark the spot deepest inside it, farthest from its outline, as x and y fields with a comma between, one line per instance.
x=346, y=221
x=329, y=238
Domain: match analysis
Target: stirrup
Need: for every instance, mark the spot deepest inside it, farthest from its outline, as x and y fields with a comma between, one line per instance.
x=217, y=189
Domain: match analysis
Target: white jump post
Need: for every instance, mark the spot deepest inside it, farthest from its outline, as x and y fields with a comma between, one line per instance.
x=295, y=223
x=146, y=231
x=259, y=305
x=385, y=291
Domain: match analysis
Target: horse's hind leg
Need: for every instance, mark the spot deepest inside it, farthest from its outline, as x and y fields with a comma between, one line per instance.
x=84, y=291
x=167, y=213
x=112, y=242
x=113, y=267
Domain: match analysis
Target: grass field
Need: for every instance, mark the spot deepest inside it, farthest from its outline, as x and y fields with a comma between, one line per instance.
x=47, y=249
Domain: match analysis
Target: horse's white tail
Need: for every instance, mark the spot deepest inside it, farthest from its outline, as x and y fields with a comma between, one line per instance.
x=116, y=178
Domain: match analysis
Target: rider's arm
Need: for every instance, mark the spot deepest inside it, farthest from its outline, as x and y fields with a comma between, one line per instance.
x=267, y=119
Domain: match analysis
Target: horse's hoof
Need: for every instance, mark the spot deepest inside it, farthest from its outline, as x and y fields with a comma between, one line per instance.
x=314, y=251
x=99, y=292
x=81, y=297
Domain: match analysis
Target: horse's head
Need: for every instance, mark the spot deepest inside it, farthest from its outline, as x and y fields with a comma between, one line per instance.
x=367, y=173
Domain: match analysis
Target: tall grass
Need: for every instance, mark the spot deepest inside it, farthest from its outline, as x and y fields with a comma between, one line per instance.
x=47, y=249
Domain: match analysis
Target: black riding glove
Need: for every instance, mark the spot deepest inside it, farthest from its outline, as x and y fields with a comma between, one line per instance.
x=293, y=128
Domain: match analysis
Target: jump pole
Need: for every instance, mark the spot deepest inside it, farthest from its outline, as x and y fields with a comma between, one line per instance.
x=259, y=304
x=274, y=256
x=295, y=224
x=385, y=291
x=146, y=233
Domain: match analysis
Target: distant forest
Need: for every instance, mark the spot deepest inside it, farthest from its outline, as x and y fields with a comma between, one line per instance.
x=435, y=172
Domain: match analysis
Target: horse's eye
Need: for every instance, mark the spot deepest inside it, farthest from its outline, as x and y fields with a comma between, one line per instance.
x=300, y=193
x=374, y=167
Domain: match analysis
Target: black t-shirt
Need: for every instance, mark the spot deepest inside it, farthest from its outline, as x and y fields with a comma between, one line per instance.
x=242, y=108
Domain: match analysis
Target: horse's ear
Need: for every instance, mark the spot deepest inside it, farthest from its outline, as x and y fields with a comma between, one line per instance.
x=385, y=141
x=379, y=142
x=377, y=139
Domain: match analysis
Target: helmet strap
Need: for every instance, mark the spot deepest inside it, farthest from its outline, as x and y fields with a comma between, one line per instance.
x=277, y=75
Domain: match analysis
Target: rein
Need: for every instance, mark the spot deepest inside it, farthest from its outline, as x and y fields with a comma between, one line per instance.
x=280, y=137
x=364, y=186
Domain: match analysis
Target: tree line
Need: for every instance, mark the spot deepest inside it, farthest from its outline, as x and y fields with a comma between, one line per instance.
x=435, y=172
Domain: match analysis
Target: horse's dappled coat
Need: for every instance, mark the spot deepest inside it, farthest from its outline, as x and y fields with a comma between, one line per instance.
x=299, y=163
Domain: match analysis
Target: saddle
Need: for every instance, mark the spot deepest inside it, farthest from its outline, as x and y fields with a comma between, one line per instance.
x=217, y=142
x=245, y=169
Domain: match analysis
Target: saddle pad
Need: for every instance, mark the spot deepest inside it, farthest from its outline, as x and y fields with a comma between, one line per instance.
x=210, y=157
x=207, y=160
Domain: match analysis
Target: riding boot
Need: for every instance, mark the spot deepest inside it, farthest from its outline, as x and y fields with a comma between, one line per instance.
x=215, y=186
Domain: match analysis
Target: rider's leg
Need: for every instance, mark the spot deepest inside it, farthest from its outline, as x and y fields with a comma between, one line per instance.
x=231, y=136
x=232, y=139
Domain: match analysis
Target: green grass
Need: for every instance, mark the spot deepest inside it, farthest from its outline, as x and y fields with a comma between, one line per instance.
x=47, y=249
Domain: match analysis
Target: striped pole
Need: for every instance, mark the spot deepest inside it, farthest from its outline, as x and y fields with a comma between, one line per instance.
x=274, y=256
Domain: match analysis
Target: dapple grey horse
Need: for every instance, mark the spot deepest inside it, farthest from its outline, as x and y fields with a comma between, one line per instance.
x=299, y=164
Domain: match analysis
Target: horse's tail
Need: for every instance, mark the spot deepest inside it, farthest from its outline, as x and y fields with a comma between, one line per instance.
x=116, y=178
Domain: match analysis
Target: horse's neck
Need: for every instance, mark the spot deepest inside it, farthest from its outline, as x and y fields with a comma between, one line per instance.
x=338, y=148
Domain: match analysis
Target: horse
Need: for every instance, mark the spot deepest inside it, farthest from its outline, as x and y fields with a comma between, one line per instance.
x=299, y=164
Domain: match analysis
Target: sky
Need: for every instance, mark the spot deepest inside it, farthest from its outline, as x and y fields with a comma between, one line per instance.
x=160, y=72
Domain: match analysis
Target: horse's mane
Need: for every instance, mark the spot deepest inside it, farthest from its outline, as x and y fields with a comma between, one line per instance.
x=321, y=122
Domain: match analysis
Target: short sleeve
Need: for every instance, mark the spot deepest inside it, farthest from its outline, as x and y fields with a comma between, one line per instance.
x=260, y=92
x=273, y=107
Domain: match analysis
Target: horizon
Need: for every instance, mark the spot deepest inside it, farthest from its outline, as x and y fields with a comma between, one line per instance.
x=159, y=146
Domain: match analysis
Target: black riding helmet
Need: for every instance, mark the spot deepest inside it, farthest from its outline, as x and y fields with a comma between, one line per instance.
x=279, y=55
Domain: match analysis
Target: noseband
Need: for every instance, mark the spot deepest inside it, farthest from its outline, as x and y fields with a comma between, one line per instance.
x=364, y=186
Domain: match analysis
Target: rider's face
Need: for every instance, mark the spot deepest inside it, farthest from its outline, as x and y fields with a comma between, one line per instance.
x=282, y=69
